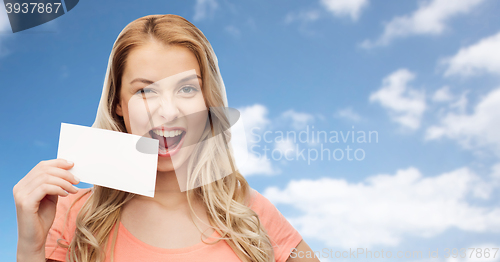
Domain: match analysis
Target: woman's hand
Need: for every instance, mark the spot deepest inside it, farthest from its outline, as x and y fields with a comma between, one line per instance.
x=36, y=197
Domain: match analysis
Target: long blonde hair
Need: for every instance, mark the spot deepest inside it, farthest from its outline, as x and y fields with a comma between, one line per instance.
x=225, y=197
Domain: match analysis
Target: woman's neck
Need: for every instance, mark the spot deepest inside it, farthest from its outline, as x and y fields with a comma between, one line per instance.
x=168, y=193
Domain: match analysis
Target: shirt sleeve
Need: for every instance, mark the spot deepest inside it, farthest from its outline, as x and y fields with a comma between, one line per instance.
x=62, y=229
x=284, y=237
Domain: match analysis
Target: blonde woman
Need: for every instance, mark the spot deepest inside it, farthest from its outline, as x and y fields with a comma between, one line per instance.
x=219, y=219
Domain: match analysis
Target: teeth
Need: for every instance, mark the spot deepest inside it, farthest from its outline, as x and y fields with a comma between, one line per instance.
x=164, y=133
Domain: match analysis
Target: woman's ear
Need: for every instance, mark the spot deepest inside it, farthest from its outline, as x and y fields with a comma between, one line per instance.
x=119, y=109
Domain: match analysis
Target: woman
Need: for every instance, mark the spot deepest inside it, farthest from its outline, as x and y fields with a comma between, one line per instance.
x=218, y=218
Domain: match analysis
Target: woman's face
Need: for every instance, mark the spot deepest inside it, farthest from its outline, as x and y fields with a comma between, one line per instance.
x=161, y=98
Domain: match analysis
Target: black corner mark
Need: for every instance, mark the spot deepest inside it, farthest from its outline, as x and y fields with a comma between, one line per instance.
x=25, y=14
x=70, y=4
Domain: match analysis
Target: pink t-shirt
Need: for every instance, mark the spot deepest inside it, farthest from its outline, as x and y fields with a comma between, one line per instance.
x=128, y=248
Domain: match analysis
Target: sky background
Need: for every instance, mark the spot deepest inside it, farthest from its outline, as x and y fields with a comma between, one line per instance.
x=422, y=75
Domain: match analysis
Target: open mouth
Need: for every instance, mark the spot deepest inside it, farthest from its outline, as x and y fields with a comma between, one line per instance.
x=170, y=141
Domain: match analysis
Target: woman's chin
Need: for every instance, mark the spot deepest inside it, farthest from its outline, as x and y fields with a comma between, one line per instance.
x=165, y=166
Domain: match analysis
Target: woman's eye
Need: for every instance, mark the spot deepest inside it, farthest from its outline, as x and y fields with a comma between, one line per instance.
x=146, y=91
x=188, y=90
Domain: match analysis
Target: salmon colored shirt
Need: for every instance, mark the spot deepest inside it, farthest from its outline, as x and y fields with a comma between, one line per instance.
x=128, y=248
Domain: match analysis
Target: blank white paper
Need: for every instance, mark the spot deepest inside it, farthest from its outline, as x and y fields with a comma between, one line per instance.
x=110, y=158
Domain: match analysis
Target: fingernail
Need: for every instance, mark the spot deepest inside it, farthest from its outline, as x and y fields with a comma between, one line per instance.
x=76, y=188
x=69, y=162
x=77, y=178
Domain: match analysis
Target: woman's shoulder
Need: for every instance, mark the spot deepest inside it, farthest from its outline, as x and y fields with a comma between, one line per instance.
x=284, y=237
x=261, y=205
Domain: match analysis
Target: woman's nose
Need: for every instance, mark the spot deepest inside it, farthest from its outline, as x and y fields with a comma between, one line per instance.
x=168, y=110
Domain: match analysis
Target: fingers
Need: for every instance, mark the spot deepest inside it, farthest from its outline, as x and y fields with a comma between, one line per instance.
x=47, y=189
x=64, y=174
x=54, y=176
x=46, y=181
x=45, y=184
x=61, y=182
x=33, y=200
x=61, y=163
x=51, y=172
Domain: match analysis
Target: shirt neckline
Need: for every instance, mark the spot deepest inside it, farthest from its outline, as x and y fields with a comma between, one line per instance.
x=181, y=250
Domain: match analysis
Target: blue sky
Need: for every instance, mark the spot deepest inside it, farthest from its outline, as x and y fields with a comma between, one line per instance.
x=424, y=75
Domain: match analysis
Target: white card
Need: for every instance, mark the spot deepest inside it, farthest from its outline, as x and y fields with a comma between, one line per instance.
x=110, y=158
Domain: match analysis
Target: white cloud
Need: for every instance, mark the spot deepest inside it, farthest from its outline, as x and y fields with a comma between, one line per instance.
x=286, y=147
x=383, y=209
x=4, y=28
x=303, y=19
x=404, y=104
x=442, y=95
x=461, y=103
x=254, y=116
x=473, y=131
x=257, y=165
x=480, y=57
x=4, y=22
x=430, y=18
x=348, y=113
x=496, y=172
x=299, y=120
x=204, y=9
x=342, y=8
x=254, y=119
x=256, y=123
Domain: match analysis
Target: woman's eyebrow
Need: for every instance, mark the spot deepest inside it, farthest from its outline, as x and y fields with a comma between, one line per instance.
x=190, y=77
x=142, y=80
x=149, y=82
